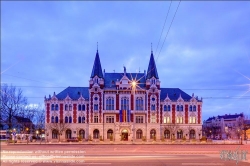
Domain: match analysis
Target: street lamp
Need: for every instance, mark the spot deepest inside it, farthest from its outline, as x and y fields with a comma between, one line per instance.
x=133, y=90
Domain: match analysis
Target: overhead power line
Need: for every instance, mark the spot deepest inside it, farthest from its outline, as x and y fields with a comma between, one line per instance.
x=168, y=29
x=163, y=26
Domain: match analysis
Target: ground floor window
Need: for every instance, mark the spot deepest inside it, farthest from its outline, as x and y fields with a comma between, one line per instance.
x=152, y=134
x=139, y=134
x=179, y=134
x=82, y=134
x=68, y=134
x=167, y=134
x=192, y=134
x=109, y=133
x=96, y=134
x=54, y=134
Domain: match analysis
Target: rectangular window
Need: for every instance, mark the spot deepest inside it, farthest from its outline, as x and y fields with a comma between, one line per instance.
x=139, y=119
x=193, y=119
x=110, y=119
x=153, y=119
x=165, y=120
x=96, y=107
x=168, y=119
x=153, y=107
x=95, y=119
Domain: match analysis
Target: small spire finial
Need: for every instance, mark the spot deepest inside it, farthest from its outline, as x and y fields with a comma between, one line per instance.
x=97, y=46
x=151, y=48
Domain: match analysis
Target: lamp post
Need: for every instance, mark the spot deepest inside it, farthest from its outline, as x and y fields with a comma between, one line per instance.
x=133, y=91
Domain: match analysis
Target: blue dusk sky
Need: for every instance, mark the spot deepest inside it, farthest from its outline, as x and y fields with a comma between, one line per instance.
x=47, y=46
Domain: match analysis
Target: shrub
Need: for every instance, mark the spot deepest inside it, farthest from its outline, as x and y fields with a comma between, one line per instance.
x=144, y=138
x=79, y=138
x=111, y=137
x=33, y=137
x=184, y=138
x=203, y=138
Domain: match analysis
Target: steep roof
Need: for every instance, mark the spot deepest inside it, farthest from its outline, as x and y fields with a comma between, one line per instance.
x=152, y=71
x=111, y=78
x=97, y=68
x=174, y=94
x=225, y=117
x=74, y=93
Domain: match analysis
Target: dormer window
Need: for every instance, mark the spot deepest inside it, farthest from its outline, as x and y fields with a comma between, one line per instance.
x=152, y=81
x=96, y=80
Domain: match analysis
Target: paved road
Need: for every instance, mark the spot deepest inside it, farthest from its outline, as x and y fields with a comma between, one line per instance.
x=119, y=155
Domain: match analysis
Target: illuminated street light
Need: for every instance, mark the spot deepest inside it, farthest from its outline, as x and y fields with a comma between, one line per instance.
x=133, y=84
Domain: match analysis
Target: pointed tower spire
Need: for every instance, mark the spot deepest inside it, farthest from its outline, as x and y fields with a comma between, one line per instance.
x=152, y=71
x=97, y=68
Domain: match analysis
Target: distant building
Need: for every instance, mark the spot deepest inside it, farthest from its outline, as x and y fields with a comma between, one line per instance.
x=224, y=126
x=128, y=106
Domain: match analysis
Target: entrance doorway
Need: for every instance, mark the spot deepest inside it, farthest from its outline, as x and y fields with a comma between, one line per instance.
x=125, y=135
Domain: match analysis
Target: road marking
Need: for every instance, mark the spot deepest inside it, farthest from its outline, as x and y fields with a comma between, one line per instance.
x=203, y=164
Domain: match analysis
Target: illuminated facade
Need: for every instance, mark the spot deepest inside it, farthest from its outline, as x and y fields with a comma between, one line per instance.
x=128, y=106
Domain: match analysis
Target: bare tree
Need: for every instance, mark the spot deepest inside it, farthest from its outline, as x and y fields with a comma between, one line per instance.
x=172, y=127
x=59, y=127
x=240, y=123
x=12, y=103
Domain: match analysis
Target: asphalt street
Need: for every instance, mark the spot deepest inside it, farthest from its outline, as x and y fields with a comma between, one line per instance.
x=121, y=155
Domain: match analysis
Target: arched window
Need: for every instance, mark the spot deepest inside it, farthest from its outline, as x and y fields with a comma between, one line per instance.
x=68, y=134
x=165, y=108
x=82, y=133
x=66, y=119
x=79, y=119
x=179, y=134
x=79, y=107
x=152, y=133
x=192, y=134
x=70, y=119
x=54, y=134
x=181, y=108
x=83, y=107
x=124, y=103
x=139, y=134
x=70, y=107
x=52, y=119
x=139, y=103
x=190, y=108
x=56, y=119
x=96, y=134
x=110, y=103
x=66, y=107
x=169, y=108
x=194, y=108
x=83, y=119
x=178, y=108
x=52, y=107
x=56, y=107
x=109, y=133
x=167, y=134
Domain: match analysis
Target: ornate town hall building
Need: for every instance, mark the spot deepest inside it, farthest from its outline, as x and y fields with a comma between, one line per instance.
x=128, y=106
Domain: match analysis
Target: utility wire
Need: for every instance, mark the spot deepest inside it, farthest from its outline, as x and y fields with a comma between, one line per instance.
x=168, y=30
x=163, y=27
